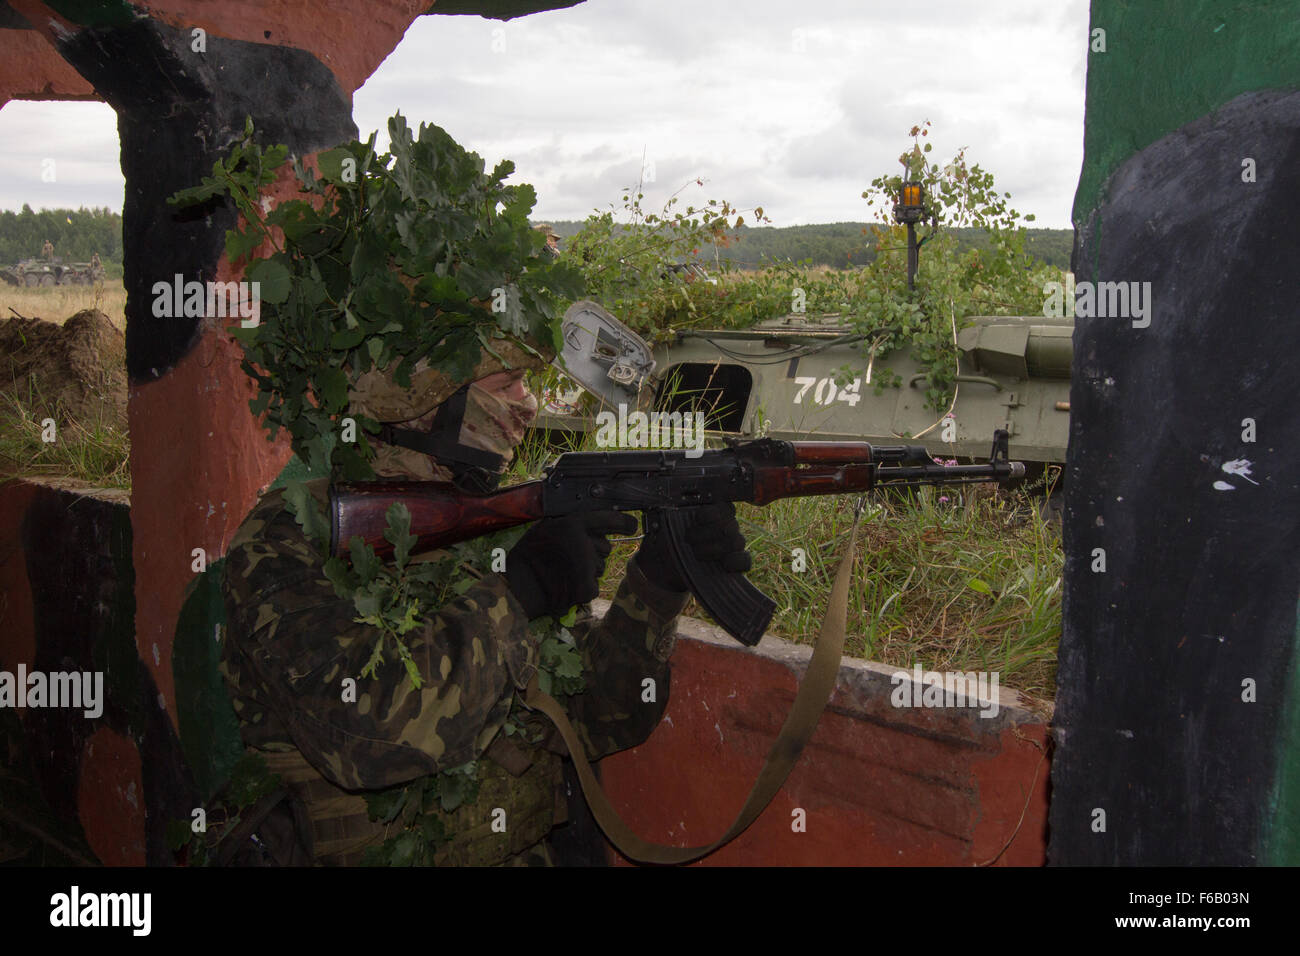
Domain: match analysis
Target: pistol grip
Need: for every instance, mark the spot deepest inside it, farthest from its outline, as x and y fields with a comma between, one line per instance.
x=740, y=609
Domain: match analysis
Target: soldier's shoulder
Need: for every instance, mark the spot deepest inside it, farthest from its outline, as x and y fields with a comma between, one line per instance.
x=271, y=539
x=271, y=505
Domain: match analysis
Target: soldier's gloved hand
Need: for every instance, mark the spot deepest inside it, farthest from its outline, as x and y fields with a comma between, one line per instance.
x=714, y=536
x=558, y=562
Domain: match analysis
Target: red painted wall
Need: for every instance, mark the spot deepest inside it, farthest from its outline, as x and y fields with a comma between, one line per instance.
x=879, y=785
x=89, y=772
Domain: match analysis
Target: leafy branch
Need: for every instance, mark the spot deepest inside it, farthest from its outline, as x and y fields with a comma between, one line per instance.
x=627, y=256
x=416, y=254
x=389, y=596
x=950, y=285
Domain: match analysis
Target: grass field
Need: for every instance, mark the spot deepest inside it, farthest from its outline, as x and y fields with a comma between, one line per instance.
x=953, y=586
x=94, y=452
x=59, y=303
x=964, y=580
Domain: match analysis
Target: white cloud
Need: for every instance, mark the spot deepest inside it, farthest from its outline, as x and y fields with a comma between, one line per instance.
x=795, y=108
x=81, y=141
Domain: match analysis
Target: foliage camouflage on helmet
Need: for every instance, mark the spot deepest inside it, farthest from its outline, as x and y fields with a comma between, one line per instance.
x=417, y=263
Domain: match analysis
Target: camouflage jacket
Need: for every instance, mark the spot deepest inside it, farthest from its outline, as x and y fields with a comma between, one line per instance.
x=291, y=641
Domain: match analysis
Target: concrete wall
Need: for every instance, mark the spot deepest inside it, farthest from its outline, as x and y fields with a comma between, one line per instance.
x=68, y=605
x=879, y=785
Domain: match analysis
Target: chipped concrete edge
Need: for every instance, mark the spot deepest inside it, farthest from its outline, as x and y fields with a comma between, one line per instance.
x=72, y=486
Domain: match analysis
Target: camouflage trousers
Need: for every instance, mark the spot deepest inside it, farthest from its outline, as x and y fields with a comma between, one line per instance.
x=505, y=826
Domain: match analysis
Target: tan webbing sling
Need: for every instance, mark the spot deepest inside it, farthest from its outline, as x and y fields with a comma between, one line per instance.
x=814, y=692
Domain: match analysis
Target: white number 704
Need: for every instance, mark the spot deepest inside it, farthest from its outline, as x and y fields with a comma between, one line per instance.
x=826, y=392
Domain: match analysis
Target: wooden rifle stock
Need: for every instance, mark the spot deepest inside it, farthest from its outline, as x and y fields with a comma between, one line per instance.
x=441, y=514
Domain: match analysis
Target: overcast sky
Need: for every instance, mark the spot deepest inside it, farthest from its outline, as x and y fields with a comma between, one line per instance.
x=792, y=107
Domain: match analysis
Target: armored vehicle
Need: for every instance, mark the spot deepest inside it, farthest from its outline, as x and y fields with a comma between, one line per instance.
x=51, y=272
x=805, y=377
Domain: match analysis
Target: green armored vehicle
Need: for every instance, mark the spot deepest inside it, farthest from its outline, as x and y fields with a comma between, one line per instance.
x=52, y=272
x=783, y=379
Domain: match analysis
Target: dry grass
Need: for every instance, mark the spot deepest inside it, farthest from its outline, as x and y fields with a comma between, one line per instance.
x=58, y=303
x=93, y=449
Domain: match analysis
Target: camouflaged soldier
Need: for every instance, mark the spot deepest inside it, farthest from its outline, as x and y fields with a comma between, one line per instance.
x=291, y=640
x=552, y=238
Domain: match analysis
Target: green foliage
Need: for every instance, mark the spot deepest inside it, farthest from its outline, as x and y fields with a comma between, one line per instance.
x=999, y=279
x=250, y=781
x=412, y=811
x=839, y=245
x=392, y=597
x=559, y=663
x=628, y=265
x=77, y=234
x=334, y=283
x=389, y=595
x=418, y=254
x=974, y=261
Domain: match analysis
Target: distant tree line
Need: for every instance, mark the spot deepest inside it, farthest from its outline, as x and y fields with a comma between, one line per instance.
x=75, y=233
x=843, y=245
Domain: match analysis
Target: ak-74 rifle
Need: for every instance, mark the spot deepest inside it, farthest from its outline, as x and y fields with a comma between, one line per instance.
x=665, y=486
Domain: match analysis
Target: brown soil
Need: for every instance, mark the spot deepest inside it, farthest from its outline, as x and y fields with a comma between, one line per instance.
x=70, y=372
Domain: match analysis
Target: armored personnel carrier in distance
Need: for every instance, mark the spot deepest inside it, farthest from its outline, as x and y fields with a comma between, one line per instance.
x=810, y=377
x=51, y=272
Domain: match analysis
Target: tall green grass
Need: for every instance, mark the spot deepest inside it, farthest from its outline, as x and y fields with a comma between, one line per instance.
x=972, y=583
x=958, y=579
x=95, y=452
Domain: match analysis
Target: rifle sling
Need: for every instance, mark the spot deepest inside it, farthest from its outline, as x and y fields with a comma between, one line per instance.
x=814, y=693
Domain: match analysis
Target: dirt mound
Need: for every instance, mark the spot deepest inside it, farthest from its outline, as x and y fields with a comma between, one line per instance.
x=74, y=372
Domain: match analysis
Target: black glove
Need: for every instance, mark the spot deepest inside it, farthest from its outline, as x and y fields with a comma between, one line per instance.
x=558, y=562
x=714, y=535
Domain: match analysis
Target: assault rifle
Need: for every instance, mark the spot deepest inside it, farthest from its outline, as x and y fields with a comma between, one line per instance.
x=665, y=486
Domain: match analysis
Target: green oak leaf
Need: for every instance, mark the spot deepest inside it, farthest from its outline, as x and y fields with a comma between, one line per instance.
x=398, y=532
x=305, y=510
x=364, y=562
x=336, y=571
x=384, y=806
x=332, y=386
x=272, y=278
x=240, y=244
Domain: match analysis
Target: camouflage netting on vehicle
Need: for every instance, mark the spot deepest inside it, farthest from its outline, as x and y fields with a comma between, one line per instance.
x=74, y=372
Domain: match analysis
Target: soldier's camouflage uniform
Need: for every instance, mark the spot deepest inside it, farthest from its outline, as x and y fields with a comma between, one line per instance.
x=291, y=641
